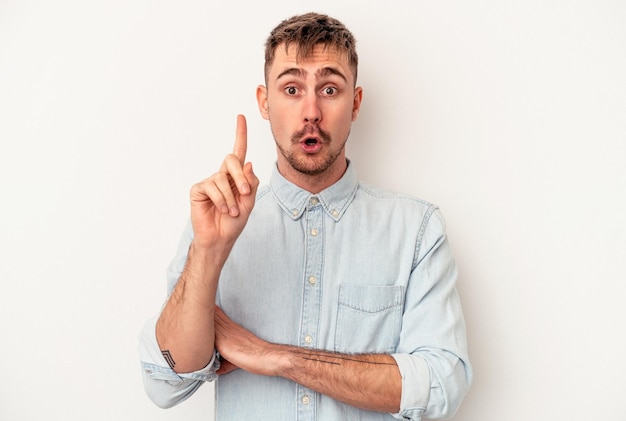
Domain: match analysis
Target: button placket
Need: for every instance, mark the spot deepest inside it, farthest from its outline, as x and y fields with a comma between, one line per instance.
x=312, y=296
x=313, y=269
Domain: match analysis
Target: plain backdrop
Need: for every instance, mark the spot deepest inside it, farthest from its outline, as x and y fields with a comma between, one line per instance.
x=510, y=115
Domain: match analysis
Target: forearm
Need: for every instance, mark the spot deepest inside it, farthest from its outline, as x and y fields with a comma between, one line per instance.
x=165, y=387
x=185, y=329
x=368, y=381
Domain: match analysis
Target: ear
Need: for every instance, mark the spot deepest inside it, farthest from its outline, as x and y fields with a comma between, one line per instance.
x=356, y=104
x=261, y=99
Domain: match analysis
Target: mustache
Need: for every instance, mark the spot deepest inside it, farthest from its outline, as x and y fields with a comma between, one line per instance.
x=310, y=129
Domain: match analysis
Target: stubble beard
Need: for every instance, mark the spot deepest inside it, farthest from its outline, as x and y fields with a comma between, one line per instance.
x=306, y=164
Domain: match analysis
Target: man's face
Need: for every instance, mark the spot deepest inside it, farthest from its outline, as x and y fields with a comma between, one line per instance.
x=310, y=105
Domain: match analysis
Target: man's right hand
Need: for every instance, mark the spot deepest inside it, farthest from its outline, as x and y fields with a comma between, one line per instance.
x=220, y=207
x=221, y=204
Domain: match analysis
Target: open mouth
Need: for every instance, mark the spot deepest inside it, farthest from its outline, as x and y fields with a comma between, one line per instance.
x=311, y=145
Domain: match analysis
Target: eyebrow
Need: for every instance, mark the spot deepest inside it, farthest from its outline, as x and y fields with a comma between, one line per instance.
x=327, y=71
x=323, y=72
x=293, y=71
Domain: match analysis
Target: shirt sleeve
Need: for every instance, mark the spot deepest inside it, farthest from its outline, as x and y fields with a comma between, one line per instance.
x=432, y=352
x=163, y=385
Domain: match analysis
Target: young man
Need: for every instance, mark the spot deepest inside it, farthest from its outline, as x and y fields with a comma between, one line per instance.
x=331, y=300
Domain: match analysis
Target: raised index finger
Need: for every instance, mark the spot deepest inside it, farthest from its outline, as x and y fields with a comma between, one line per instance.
x=241, y=139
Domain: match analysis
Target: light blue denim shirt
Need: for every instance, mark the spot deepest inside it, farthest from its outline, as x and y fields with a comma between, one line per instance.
x=353, y=269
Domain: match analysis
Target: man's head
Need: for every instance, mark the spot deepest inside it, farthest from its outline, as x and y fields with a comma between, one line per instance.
x=310, y=97
x=305, y=32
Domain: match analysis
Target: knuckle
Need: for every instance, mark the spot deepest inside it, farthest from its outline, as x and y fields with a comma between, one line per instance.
x=233, y=162
x=218, y=177
x=197, y=187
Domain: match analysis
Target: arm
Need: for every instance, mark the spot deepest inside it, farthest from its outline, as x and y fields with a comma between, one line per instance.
x=431, y=371
x=369, y=381
x=220, y=207
x=432, y=351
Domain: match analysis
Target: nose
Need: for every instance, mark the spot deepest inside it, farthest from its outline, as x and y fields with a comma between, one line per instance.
x=311, y=109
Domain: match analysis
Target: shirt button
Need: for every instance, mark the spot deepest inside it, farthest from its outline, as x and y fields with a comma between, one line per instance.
x=314, y=232
x=295, y=212
x=308, y=339
x=306, y=400
x=312, y=280
x=314, y=201
x=335, y=213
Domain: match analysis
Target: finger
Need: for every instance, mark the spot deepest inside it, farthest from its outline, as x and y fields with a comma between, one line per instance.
x=219, y=315
x=208, y=190
x=226, y=367
x=247, y=201
x=241, y=139
x=234, y=168
x=221, y=321
x=223, y=185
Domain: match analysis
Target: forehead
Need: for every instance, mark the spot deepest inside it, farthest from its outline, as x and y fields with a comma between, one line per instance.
x=320, y=58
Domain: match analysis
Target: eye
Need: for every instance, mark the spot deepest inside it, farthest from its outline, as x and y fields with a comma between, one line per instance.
x=329, y=91
x=291, y=90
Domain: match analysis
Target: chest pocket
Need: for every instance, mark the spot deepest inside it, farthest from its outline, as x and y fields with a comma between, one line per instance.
x=369, y=318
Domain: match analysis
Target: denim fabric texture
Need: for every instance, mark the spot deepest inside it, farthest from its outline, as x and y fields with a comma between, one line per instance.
x=354, y=269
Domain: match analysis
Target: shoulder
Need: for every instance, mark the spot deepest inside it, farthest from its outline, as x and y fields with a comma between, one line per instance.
x=375, y=193
x=401, y=204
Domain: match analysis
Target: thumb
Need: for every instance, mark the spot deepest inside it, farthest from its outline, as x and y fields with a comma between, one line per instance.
x=253, y=181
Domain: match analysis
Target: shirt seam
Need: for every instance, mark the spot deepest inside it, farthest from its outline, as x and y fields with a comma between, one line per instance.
x=422, y=231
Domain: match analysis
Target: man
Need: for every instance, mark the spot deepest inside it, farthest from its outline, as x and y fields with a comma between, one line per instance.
x=325, y=299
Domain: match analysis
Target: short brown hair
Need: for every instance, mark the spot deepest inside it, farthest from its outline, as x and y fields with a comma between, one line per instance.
x=308, y=30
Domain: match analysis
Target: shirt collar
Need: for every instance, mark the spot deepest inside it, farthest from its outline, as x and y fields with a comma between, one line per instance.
x=334, y=200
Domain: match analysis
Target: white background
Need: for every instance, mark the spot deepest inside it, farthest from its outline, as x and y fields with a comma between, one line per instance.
x=511, y=115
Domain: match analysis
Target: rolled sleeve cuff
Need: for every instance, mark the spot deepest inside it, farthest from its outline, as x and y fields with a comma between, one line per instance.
x=155, y=366
x=415, y=386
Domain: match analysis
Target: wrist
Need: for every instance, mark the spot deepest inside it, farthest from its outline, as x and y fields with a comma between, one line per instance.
x=213, y=254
